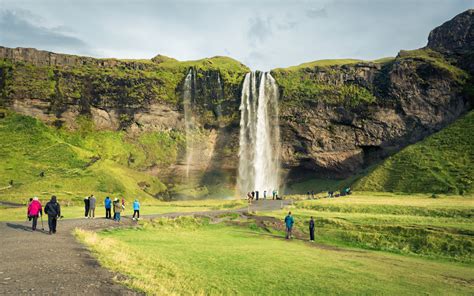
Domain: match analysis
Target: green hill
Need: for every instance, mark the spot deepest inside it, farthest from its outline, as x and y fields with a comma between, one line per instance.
x=441, y=163
x=77, y=163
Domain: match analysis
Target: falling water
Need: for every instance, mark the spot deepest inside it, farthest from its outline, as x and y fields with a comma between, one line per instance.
x=188, y=117
x=259, y=134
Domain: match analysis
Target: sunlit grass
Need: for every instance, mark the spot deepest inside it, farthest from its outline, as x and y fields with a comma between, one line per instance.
x=158, y=259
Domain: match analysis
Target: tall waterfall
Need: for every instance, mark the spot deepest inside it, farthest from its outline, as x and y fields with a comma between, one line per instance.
x=259, y=134
x=188, y=95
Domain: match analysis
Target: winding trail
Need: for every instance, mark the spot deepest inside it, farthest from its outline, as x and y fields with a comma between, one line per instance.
x=38, y=263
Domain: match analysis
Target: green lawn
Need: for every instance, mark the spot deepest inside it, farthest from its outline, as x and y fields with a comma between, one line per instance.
x=193, y=256
x=439, y=228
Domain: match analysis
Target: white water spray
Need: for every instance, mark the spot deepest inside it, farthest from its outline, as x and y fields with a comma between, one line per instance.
x=259, y=135
x=188, y=117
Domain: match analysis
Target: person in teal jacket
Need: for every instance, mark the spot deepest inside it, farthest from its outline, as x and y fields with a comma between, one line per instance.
x=289, y=221
x=136, y=209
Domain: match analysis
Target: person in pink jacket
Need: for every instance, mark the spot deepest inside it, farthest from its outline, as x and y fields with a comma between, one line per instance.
x=34, y=210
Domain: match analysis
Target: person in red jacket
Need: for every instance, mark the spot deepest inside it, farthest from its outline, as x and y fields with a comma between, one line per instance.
x=34, y=210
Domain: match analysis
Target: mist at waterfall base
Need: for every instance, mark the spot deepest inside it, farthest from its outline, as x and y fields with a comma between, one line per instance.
x=259, y=140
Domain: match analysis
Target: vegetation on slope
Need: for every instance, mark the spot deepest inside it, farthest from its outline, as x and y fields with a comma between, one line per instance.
x=79, y=163
x=441, y=163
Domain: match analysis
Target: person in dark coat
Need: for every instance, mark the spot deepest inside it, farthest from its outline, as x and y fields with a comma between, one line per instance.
x=311, y=229
x=86, y=207
x=53, y=210
x=256, y=194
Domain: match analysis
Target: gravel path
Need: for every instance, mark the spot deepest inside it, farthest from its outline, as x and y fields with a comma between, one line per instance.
x=35, y=263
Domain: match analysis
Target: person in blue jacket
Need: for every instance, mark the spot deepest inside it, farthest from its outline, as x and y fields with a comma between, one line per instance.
x=108, y=207
x=136, y=209
x=289, y=221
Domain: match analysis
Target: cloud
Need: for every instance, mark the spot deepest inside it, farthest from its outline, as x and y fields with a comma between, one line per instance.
x=23, y=28
x=260, y=29
x=317, y=13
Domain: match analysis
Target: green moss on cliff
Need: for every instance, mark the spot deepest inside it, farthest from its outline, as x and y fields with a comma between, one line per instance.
x=442, y=163
x=109, y=80
x=436, y=59
x=299, y=87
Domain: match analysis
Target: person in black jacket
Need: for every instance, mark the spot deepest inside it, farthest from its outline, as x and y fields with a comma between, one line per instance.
x=53, y=210
x=86, y=206
x=311, y=229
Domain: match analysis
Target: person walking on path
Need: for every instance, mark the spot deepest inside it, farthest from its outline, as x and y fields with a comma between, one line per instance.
x=117, y=209
x=92, y=201
x=264, y=194
x=108, y=206
x=289, y=221
x=311, y=230
x=53, y=210
x=34, y=210
x=86, y=207
x=136, y=209
x=273, y=194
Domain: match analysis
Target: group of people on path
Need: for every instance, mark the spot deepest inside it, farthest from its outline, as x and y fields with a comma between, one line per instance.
x=52, y=209
x=255, y=195
x=290, y=221
x=118, y=206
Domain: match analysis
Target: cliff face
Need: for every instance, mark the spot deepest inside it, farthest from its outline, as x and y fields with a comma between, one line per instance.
x=336, y=117
x=340, y=119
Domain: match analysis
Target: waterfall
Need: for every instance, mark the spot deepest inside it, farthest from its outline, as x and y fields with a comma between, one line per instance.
x=259, y=134
x=188, y=95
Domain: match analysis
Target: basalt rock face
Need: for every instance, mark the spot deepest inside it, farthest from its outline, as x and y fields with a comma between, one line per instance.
x=455, y=38
x=348, y=117
x=335, y=120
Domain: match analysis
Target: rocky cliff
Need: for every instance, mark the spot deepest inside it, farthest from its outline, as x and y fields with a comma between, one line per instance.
x=337, y=117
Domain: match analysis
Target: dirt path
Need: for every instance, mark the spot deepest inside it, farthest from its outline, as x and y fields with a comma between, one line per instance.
x=38, y=263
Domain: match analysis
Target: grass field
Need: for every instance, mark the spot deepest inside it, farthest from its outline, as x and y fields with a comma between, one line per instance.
x=158, y=259
x=440, y=228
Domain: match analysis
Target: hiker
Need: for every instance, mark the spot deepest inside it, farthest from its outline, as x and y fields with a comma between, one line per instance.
x=264, y=194
x=34, y=210
x=312, y=194
x=253, y=195
x=256, y=194
x=92, y=201
x=108, y=206
x=311, y=230
x=136, y=209
x=53, y=210
x=273, y=194
x=289, y=221
x=86, y=207
x=117, y=209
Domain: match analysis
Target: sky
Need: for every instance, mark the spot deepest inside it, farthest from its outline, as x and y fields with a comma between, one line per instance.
x=261, y=34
